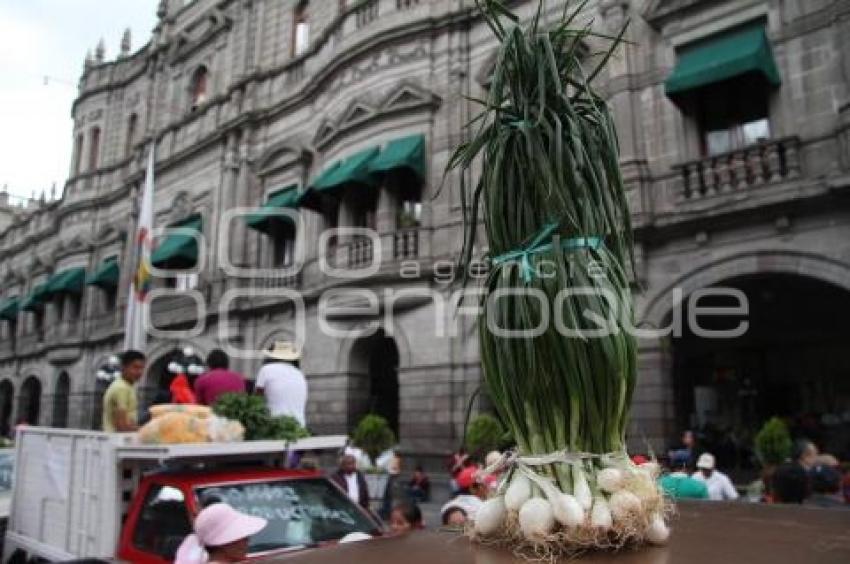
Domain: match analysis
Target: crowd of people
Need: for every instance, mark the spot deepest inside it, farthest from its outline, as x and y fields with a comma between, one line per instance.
x=808, y=477
x=279, y=381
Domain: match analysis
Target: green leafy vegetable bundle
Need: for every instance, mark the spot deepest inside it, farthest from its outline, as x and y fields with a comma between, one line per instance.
x=558, y=360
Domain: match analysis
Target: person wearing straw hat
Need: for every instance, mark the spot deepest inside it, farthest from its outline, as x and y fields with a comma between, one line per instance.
x=282, y=383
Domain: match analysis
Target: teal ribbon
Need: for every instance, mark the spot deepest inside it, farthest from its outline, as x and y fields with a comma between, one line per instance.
x=538, y=245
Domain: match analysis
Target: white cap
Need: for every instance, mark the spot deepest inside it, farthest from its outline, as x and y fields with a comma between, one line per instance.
x=705, y=461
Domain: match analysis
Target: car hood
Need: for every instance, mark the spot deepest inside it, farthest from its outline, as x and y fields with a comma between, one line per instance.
x=703, y=533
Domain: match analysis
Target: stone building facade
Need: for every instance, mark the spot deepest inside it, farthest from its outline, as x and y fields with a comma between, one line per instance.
x=737, y=176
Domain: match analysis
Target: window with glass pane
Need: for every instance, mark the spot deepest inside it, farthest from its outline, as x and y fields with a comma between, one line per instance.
x=364, y=207
x=283, y=247
x=301, y=31
x=163, y=522
x=75, y=305
x=331, y=220
x=94, y=147
x=60, y=307
x=733, y=114
x=410, y=200
x=299, y=512
x=110, y=298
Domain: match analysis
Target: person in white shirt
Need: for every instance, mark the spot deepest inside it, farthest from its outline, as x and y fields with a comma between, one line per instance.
x=282, y=383
x=352, y=481
x=718, y=484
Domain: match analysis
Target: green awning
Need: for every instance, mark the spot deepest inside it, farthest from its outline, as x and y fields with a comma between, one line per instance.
x=35, y=300
x=69, y=281
x=353, y=169
x=107, y=275
x=722, y=57
x=178, y=250
x=266, y=219
x=9, y=309
x=407, y=152
x=326, y=174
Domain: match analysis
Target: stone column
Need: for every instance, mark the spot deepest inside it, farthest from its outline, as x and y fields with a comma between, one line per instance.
x=388, y=203
x=233, y=182
x=653, y=416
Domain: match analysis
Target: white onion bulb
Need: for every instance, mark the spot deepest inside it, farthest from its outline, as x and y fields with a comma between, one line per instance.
x=490, y=516
x=517, y=493
x=581, y=489
x=567, y=510
x=536, y=519
x=600, y=515
x=658, y=532
x=610, y=480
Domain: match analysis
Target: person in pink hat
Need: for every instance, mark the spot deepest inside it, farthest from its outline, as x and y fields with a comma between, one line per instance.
x=224, y=533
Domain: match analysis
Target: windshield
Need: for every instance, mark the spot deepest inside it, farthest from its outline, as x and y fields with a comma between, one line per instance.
x=300, y=512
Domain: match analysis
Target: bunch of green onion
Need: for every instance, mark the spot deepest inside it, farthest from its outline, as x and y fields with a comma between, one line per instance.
x=551, y=190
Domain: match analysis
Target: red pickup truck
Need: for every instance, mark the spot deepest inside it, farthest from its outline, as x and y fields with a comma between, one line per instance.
x=81, y=494
x=303, y=508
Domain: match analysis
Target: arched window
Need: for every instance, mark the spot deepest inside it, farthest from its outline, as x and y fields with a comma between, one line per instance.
x=199, y=87
x=60, y=401
x=132, y=123
x=301, y=29
x=94, y=147
x=7, y=395
x=29, y=406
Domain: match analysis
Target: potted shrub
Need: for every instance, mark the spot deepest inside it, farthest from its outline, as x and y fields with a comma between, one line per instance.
x=773, y=446
x=374, y=436
x=484, y=434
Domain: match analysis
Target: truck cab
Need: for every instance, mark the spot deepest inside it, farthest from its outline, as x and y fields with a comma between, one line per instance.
x=303, y=508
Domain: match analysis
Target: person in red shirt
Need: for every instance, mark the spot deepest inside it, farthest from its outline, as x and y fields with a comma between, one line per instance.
x=219, y=380
x=181, y=391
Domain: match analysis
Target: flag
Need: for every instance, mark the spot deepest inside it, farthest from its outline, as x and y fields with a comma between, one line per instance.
x=135, y=332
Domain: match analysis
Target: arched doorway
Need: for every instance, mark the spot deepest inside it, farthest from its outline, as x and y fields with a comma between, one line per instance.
x=100, y=388
x=7, y=396
x=156, y=387
x=61, y=397
x=374, y=366
x=29, y=407
x=789, y=363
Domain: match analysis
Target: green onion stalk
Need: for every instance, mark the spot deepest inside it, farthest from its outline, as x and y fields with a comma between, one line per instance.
x=558, y=361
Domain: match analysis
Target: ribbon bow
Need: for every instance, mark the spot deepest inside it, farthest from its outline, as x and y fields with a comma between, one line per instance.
x=537, y=245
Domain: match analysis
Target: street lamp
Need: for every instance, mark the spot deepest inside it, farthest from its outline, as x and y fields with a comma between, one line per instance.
x=188, y=362
x=110, y=370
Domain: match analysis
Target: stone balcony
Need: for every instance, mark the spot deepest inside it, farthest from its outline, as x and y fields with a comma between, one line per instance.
x=752, y=167
x=63, y=331
x=29, y=343
x=7, y=349
x=395, y=246
x=100, y=326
